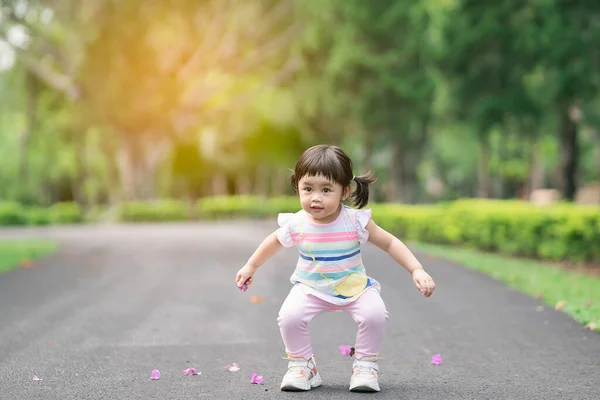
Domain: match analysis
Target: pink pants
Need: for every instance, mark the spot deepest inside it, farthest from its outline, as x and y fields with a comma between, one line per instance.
x=368, y=311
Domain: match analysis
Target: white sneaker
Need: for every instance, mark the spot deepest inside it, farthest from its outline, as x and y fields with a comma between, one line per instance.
x=364, y=376
x=301, y=375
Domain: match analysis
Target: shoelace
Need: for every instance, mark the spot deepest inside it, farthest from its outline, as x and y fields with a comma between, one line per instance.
x=298, y=367
x=364, y=369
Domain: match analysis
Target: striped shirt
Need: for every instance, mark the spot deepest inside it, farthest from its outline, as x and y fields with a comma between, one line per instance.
x=329, y=264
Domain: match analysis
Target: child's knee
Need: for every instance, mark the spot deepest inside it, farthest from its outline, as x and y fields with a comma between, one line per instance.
x=375, y=318
x=290, y=319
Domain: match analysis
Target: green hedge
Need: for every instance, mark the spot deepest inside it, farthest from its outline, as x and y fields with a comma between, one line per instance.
x=245, y=206
x=154, y=211
x=14, y=214
x=558, y=232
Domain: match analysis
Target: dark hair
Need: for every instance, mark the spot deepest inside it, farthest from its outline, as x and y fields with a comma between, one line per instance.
x=335, y=165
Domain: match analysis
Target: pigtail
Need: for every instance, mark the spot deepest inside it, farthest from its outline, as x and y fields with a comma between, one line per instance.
x=361, y=194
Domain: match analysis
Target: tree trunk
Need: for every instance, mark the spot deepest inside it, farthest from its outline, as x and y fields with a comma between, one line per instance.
x=395, y=177
x=536, y=177
x=597, y=152
x=219, y=185
x=280, y=182
x=261, y=179
x=366, y=162
x=569, y=155
x=32, y=86
x=484, y=181
x=137, y=167
x=403, y=173
x=80, y=139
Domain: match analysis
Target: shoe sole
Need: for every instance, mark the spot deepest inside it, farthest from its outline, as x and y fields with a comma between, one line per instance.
x=364, y=389
x=313, y=383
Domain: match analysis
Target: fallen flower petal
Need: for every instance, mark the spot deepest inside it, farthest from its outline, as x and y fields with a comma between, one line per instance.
x=35, y=378
x=256, y=299
x=257, y=379
x=345, y=350
x=436, y=359
x=155, y=374
x=233, y=368
x=190, y=372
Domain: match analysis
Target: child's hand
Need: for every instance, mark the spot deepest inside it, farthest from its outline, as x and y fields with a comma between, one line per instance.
x=244, y=275
x=423, y=282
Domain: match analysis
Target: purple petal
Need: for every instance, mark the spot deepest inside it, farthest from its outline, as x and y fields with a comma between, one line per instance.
x=436, y=359
x=191, y=371
x=155, y=374
x=244, y=287
x=257, y=379
x=35, y=378
x=345, y=350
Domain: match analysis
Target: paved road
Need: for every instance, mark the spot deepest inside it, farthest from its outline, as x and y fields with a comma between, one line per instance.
x=94, y=320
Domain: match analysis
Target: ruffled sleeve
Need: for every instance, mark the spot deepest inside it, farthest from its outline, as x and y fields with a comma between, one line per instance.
x=284, y=233
x=362, y=219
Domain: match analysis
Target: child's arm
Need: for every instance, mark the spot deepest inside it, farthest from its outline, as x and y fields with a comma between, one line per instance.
x=267, y=249
x=402, y=255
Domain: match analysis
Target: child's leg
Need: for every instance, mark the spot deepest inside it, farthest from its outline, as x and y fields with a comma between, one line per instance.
x=297, y=311
x=370, y=314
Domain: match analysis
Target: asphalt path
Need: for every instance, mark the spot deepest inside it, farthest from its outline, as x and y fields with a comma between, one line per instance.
x=116, y=302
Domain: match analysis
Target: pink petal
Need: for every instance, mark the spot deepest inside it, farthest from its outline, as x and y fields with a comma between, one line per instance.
x=257, y=379
x=345, y=350
x=233, y=368
x=244, y=287
x=155, y=374
x=436, y=359
x=35, y=378
x=191, y=371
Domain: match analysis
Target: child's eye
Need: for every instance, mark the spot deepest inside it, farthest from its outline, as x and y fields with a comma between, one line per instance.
x=326, y=190
x=307, y=189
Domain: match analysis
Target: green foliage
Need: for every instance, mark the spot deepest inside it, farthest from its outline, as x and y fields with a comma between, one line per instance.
x=38, y=216
x=154, y=211
x=13, y=252
x=12, y=213
x=580, y=291
x=419, y=90
x=561, y=232
x=245, y=206
x=66, y=213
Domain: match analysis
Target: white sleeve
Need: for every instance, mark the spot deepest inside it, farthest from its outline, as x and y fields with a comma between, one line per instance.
x=362, y=219
x=284, y=233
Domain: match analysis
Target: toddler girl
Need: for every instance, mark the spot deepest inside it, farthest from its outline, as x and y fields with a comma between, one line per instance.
x=330, y=274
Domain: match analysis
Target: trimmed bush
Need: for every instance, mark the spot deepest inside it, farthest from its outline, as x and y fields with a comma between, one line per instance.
x=66, y=213
x=153, y=211
x=560, y=232
x=38, y=216
x=12, y=213
x=245, y=206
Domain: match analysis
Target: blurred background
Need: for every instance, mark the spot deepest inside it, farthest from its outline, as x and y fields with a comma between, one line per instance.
x=480, y=118
x=105, y=101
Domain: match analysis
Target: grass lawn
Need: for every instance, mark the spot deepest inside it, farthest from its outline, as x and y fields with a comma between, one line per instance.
x=15, y=252
x=577, y=293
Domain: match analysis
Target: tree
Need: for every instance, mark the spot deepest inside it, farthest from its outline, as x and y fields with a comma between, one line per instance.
x=373, y=61
x=486, y=59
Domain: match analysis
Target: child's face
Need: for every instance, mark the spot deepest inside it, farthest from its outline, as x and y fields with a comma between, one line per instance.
x=321, y=198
